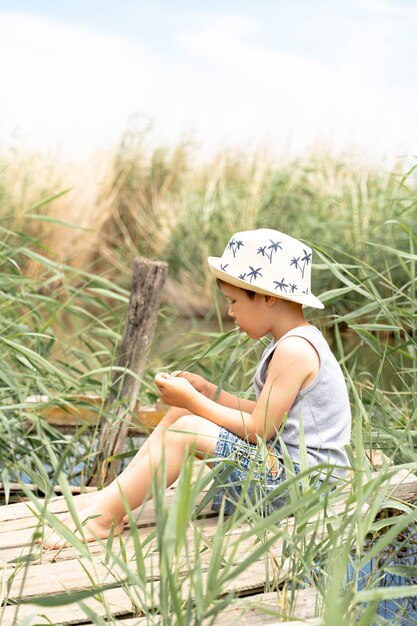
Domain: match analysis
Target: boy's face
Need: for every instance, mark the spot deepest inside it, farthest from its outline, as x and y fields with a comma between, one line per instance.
x=254, y=316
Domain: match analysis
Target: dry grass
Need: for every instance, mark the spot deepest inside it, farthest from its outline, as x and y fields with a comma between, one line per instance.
x=161, y=203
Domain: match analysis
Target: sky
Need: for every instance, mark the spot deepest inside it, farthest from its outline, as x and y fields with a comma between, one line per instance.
x=287, y=76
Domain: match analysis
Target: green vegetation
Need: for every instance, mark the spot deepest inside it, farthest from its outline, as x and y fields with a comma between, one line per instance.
x=60, y=326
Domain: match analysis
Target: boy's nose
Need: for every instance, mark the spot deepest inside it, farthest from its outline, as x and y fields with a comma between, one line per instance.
x=230, y=312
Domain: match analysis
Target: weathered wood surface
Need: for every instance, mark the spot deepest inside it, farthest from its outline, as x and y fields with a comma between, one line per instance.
x=262, y=609
x=255, y=610
x=148, y=279
x=242, y=614
x=79, y=410
x=249, y=619
x=53, y=573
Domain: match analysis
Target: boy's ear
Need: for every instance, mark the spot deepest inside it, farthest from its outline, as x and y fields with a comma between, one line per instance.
x=270, y=301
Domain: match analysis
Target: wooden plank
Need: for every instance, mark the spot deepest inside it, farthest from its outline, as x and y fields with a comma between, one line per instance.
x=75, y=489
x=13, y=542
x=257, y=621
x=20, y=510
x=17, y=543
x=268, y=608
x=74, y=575
x=9, y=552
x=64, y=577
x=403, y=487
x=20, y=515
x=86, y=408
x=57, y=578
x=66, y=570
x=113, y=602
x=263, y=609
x=315, y=621
x=51, y=578
x=250, y=611
x=250, y=581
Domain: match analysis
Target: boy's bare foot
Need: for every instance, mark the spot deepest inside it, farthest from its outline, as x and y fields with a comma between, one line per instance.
x=96, y=524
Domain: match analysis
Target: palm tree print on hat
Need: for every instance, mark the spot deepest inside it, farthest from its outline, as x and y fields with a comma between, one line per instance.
x=234, y=246
x=293, y=287
x=273, y=247
x=254, y=273
x=294, y=261
x=306, y=260
x=301, y=265
x=223, y=267
x=242, y=276
x=281, y=285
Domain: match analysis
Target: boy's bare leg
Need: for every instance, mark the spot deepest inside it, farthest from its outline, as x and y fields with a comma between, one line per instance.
x=169, y=418
x=167, y=421
x=189, y=432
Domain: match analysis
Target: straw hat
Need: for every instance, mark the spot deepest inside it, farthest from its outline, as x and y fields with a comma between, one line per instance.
x=268, y=262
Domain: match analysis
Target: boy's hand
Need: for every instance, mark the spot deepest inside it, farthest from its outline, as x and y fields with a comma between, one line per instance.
x=174, y=390
x=199, y=383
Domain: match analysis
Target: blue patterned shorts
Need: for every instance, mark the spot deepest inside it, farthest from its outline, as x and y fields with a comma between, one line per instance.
x=245, y=459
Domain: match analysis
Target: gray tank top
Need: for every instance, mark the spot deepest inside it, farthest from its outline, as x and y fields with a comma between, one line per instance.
x=323, y=406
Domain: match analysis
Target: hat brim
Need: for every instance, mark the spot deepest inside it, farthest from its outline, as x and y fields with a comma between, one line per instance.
x=304, y=299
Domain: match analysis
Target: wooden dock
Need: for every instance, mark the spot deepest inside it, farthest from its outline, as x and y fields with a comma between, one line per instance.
x=28, y=573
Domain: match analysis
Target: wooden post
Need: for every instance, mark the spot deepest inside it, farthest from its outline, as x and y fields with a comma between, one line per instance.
x=147, y=282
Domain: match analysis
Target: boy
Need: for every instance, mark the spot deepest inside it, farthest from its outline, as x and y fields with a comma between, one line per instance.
x=265, y=275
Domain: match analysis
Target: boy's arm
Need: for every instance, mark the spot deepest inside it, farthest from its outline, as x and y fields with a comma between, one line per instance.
x=209, y=390
x=230, y=400
x=294, y=361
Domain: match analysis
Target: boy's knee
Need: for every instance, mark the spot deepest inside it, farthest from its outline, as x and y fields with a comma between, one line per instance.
x=187, y=424
x=193, y=432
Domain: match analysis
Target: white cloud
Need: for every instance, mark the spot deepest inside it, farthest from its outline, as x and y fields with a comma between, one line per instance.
x=390, y=9
x=70, y=86
x=295, y=99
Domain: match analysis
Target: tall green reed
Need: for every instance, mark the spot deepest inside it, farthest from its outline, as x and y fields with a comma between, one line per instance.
x=55, y=331
x=164, y=203
x=59, y=334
